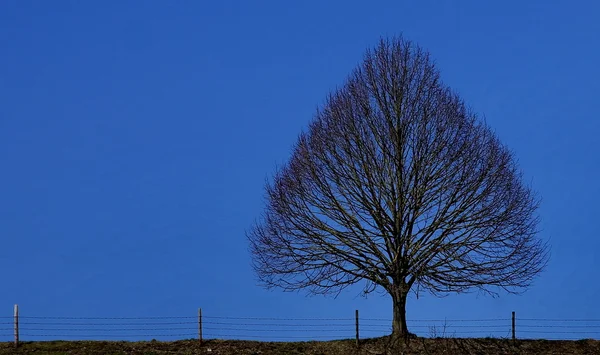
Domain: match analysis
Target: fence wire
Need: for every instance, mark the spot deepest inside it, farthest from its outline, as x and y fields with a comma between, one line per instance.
x=33, y=328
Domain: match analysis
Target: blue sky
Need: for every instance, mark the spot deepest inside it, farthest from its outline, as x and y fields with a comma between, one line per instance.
x=136, y=137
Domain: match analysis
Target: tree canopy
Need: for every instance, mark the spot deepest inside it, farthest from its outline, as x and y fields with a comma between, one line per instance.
x=398, y=184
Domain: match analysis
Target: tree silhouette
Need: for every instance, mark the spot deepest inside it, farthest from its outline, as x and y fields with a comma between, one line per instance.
x=397, y=183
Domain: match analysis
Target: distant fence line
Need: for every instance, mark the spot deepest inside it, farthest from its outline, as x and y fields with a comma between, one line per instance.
x=30, y=328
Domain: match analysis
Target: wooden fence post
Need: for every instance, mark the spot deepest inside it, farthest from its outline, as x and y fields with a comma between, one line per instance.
x=357, y=334
x=513, y=327
x=200, y=325
x=16, y=317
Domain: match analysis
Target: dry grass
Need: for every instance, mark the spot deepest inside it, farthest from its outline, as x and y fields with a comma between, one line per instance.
x=345, y=347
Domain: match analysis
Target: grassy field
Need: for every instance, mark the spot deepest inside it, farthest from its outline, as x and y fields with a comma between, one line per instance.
x=367, y=347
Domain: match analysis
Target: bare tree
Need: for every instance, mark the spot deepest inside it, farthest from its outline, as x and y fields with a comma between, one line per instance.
x=397, y=183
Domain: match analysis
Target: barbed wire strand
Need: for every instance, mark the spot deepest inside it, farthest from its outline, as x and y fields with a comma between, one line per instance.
x=111, y=335
x=104, y=330
x=103, y=318
x=103, y=324
x=282, y=319
x=557, y=332
x=298, y=319
x=557, y=326
x=440, y=320
x=557, y=320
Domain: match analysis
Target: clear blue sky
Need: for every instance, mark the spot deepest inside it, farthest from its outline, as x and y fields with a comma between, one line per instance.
x=136, y=137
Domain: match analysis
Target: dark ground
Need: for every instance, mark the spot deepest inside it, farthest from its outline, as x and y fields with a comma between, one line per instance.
x=367, y=347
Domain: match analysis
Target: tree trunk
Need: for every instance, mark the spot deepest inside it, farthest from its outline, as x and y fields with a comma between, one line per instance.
x=399, y=327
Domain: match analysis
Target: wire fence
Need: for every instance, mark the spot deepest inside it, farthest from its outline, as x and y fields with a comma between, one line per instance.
x=32, y=328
